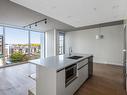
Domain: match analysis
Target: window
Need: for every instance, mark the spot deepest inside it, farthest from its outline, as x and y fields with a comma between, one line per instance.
x=16, y=43
x=1, y=46
x=36, y=45
x=1, y=30
x=61, y=45
x=20, y=45
x=1, y=42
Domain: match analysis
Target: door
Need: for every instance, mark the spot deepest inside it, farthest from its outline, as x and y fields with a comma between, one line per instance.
x=1, y=51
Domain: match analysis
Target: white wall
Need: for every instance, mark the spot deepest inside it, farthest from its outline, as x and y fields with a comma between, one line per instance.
x=107, y=50
x=50, y=40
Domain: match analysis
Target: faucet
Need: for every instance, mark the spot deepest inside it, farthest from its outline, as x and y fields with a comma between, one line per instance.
x=70, y=51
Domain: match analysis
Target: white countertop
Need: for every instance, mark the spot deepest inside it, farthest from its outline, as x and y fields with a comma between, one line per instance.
x=58, y=62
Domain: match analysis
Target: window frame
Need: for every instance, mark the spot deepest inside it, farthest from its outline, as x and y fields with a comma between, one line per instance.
x=63, y=34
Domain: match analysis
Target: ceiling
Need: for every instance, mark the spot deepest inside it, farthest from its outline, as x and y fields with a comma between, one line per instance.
x=78, y=13
x=16, y=15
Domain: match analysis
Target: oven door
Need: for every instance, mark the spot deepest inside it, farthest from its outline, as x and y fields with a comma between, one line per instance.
x=70, y=74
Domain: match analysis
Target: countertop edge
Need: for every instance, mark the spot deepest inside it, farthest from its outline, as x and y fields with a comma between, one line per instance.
x=73, y=63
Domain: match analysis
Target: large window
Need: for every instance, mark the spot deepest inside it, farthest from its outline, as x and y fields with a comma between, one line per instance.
x=36, y=45
x=1, y=46
x=20, y=45
x=1, y=41
x=61, y=44
x=1, y=30
x=16, y=45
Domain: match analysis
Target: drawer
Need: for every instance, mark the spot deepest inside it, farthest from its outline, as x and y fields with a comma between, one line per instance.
x=82, y=75
x=82, y=63
x=72, y=88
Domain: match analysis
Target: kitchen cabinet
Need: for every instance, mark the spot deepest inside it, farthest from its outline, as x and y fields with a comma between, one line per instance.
x=82, y=74
x=54, y=72
x=72, y=88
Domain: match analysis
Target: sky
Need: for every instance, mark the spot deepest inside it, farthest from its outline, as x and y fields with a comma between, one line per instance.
x=18, y=36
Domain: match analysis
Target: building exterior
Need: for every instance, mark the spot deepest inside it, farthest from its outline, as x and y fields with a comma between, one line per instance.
x=23, y=48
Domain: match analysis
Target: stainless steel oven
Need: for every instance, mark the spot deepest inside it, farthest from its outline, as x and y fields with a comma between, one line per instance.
x=70, y=74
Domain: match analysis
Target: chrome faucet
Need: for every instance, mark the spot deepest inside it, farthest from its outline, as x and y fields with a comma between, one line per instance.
x=70, y=51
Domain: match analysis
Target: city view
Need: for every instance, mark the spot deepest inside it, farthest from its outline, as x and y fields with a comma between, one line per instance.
x=20, y=45
x=32, y=53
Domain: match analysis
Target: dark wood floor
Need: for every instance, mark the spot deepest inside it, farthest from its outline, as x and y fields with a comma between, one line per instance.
x=107, y=80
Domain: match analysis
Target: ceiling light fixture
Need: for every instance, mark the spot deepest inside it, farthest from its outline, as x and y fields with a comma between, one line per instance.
x=30, y=26
x=45, y=21
x=99, y=35
x=35, y=23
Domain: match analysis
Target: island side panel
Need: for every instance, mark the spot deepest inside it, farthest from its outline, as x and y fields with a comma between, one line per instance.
x=61, y=82
x=90, y=66
x=46, y=81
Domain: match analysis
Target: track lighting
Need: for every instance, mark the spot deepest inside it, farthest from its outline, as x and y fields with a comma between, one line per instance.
x=45, y=21
x=35, y=23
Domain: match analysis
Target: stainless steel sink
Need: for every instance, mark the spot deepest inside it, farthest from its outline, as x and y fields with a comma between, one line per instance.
x=74, y=57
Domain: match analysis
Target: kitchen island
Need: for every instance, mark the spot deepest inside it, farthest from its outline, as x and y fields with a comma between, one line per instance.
x=63, y=74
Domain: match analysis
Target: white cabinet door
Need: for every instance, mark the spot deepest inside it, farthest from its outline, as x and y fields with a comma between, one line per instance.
x=82, y=63
x=61, y=83
x=72, y=88
x=82, y=75
x=74, y=85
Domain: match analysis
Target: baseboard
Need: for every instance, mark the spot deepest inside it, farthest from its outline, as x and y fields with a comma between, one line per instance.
x=110, y=63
